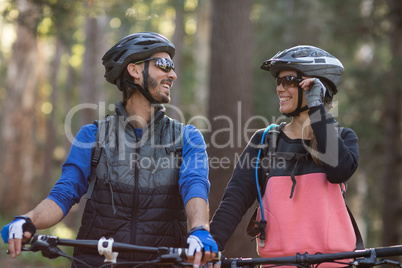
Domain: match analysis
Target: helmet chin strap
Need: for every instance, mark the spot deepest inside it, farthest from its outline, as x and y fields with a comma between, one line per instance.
x=299, y=109
x=144, y=90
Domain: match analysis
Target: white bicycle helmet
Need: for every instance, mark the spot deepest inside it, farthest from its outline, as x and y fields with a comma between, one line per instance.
x=308, y=61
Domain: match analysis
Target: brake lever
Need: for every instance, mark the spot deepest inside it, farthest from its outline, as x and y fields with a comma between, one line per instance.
x=170, y=258
x=391, y=262
x=22, y=249
x=29, y=241
x=47, y=245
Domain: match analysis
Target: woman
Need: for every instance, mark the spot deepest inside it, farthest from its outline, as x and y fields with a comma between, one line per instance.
x=302, y=207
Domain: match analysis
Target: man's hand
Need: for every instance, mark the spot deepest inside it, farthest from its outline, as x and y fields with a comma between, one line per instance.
x=16, y=232
x=202, y=247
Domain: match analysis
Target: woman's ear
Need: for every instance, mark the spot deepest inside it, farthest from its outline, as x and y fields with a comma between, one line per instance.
x=134, y=70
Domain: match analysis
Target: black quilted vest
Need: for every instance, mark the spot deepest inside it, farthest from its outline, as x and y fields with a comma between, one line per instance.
x=136, y=196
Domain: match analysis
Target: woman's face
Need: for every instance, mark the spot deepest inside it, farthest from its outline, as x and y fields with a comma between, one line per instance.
x=287, y=91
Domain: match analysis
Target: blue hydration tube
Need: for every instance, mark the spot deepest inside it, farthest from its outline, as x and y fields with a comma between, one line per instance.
x=256, y=169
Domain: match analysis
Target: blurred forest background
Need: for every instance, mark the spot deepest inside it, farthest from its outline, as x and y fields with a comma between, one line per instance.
x=50, y=62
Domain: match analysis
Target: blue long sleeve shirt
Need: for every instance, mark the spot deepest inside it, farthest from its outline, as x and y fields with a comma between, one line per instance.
x=73, y=182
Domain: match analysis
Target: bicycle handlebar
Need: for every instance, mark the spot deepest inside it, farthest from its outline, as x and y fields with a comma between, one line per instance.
x=361, y=257
x=175, y=256
x=48, y=246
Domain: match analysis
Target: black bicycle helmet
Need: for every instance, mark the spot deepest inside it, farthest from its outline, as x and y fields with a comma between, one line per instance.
x=132, y=48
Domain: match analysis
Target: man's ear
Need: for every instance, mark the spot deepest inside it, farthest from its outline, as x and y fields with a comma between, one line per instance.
x=134, y=70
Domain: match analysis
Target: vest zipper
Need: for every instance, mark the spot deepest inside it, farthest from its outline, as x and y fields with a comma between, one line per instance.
x=134, y=219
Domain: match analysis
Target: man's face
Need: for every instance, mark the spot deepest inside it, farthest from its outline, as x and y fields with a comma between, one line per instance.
x=160, y=81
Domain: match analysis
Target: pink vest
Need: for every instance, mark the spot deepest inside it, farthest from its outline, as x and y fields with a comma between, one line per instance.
x=314, y=220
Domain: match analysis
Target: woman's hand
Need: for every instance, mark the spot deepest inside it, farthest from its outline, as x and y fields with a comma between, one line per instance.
x=314, y=91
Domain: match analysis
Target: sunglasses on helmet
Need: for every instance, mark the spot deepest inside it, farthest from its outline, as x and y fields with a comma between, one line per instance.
x=288, y=81
x=162, y=63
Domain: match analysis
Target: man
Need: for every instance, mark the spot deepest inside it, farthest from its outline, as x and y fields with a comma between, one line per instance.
x=145, y=175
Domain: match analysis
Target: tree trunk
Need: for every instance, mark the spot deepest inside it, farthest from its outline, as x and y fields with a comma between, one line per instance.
x=202, y=60
x=178, y=40
x=89, y=75
x=230, y=102
x=392, y=210
x=47, y=178
x=91, y=93
x=18, y=127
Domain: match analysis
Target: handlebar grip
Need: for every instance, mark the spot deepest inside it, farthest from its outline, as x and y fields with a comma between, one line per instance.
x=183, y=253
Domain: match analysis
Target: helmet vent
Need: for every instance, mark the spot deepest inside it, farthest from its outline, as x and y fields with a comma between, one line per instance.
x=118, y=56
x=147, y=42
x=319, y=60
x=128, y=40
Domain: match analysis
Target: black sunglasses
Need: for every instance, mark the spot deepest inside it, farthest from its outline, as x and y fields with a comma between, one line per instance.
x=288, y=81
x=162, y=63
